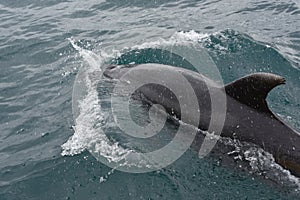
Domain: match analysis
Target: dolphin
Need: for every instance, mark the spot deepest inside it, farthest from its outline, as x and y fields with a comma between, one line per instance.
x=247, y=115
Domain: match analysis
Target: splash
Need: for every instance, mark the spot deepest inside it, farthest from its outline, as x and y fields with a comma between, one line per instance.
x=262, y=163
x=88, y=135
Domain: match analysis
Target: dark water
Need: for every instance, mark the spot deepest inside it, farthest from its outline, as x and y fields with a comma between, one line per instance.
x=39, y=65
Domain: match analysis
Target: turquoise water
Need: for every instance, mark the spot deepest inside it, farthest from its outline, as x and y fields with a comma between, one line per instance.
x=39, y=65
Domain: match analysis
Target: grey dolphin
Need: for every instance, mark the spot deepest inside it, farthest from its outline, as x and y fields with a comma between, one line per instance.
x=248, y=117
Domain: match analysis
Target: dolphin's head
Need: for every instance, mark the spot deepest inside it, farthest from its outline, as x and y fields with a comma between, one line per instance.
x=116, y=71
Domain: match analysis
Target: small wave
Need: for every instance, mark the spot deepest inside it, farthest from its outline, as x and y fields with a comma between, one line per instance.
x=262, y=163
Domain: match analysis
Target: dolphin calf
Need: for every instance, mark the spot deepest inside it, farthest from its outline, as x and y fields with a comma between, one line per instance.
x=248, y=117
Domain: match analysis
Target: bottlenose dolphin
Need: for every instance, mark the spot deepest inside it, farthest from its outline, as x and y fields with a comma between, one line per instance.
x=248, y=117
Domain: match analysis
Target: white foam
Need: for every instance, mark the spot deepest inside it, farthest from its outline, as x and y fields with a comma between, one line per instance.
x=178, y=38
x=263, y=163
x=88, y=135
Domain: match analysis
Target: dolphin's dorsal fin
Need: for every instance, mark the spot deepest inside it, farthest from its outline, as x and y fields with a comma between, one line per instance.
x=253, y=89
